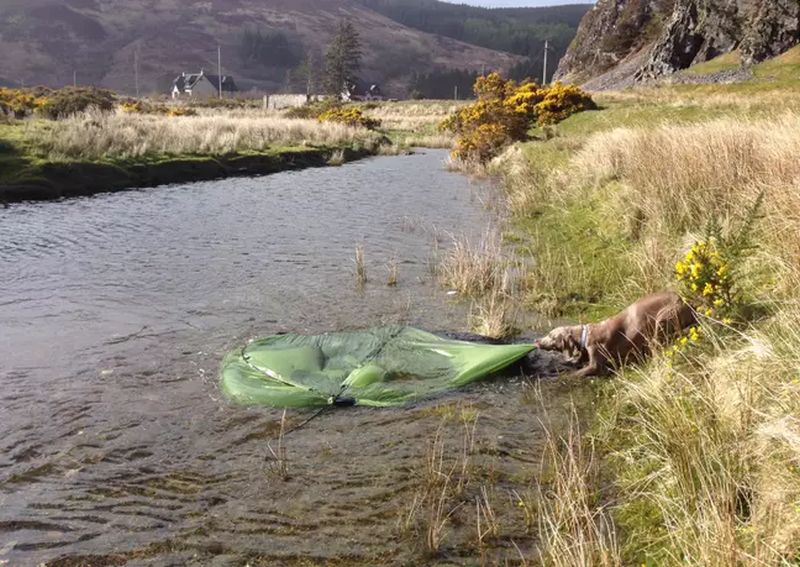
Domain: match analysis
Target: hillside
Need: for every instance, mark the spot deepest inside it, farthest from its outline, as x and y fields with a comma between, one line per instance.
x=46, y=41
x=623, y=41
x=521, y=31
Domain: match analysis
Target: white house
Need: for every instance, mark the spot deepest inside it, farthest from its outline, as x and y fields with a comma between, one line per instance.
x=202, y=85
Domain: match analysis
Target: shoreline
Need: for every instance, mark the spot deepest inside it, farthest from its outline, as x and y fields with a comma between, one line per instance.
x=50, y=181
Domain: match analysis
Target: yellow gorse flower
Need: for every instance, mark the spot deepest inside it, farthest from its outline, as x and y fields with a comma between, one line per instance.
x=506, y=110
x=705, y=273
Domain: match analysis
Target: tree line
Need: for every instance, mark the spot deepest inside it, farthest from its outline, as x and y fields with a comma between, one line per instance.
x=521, y=31
x=274, y=49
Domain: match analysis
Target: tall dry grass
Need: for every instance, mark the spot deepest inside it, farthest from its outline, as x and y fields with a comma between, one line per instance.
x=473, y=268
x=575, y=528
x=415, y=124
x=681, y=173
x=675, y=179
x=412, y=116
x=710, y=472
x=96, y=135
x=704, y=448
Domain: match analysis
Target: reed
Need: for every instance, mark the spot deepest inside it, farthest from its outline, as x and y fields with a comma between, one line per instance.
x=360, y=266
x=391, y=269
x=474, y=268
x=277, y=460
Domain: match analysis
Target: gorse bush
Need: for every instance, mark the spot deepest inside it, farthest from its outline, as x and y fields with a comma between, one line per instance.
x=708, y=271
x=505, y=111
x=18, y=103
x=312, y=110
x=350, y=116
x=143, y=107
x=560, y=102
x=73, y=100
x=705, y=276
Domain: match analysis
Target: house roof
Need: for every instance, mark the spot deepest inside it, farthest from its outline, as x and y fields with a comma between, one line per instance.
x=187, y=81
x=359, y=87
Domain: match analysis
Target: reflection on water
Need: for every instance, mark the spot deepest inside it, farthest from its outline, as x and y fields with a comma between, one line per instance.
x=115, y=444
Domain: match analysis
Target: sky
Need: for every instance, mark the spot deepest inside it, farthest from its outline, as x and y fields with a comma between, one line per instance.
x=517, y=3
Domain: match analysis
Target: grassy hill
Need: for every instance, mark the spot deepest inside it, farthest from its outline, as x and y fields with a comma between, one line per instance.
x=51, y=42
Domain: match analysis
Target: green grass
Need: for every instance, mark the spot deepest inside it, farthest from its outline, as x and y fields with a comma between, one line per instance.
x=784, y=69
x=726, y=62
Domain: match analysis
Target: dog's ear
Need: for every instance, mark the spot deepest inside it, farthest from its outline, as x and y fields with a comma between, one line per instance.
x=572, y=340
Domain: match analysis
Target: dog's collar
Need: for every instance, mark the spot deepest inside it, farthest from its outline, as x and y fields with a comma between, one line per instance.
x=584, y=336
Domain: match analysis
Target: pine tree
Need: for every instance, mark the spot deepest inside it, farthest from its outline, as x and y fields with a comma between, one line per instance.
x=343, y=59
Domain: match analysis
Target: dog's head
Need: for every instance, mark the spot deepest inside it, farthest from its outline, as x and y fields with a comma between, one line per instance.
x=564, y=339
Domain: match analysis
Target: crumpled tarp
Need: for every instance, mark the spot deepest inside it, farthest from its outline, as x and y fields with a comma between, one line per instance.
x=387, y=366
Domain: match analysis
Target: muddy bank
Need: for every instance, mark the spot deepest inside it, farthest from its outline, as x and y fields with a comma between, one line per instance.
x=49, y=181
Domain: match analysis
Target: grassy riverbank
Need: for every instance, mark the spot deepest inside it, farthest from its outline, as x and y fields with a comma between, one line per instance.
x=414, y=123
x=700, y=453
x=93, y=152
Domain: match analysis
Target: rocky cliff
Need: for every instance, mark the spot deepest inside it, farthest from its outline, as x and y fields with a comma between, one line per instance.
x=623, y=41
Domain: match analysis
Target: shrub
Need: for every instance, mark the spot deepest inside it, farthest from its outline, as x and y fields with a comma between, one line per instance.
x=709, y=270
x=705, y=274
x=505, y=111
x=16, y=103
x=180, y=111
x=496, y=119
x=72, y=100
x=560, y=102
x=350, y=116
x=133, y=106
x=226, y=103
x=311, y=111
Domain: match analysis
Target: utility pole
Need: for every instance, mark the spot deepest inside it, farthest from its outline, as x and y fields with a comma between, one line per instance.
x=136, y=69
x=544, y=72
x=74, y=78
x=455, y=92
x=219, y=69
x=309, y=73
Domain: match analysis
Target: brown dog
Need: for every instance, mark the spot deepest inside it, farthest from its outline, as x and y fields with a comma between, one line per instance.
x=630, y=335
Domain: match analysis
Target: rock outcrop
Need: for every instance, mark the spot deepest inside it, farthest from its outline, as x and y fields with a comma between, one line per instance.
x=665, y=36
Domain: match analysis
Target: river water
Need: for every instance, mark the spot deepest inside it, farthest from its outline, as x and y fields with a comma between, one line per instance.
x=116, y=446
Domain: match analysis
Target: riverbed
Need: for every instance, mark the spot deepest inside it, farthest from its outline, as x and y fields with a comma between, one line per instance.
x=116, y=445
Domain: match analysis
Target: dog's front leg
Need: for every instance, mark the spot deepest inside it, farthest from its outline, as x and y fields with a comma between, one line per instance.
x=596, y=366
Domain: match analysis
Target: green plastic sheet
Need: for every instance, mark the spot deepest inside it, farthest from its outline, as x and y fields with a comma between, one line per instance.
x=388, y=366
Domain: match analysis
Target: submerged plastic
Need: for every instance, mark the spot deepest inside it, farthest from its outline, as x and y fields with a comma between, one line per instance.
x=388, y=366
